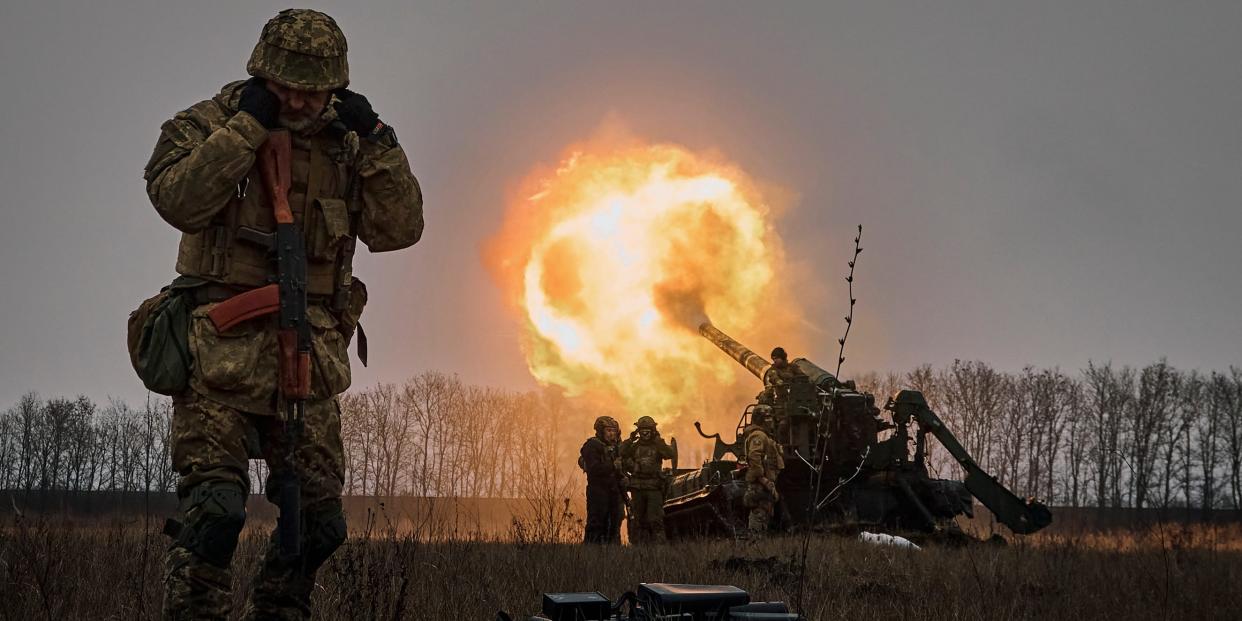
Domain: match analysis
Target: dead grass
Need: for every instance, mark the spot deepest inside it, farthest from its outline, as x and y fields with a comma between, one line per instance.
x=59, y=571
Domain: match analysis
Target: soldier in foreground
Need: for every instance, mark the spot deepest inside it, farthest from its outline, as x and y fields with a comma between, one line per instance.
x=348, y=179
x=642, y=457
x=764, y=463
x=600, y=458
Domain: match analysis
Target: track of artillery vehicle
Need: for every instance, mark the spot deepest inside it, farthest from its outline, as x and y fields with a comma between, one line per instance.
x=838, y=470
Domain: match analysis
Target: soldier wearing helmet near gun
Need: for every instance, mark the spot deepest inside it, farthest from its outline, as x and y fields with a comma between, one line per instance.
x=600, y=459
x=778, y=376
x=764, y=463
x=642, y=456
x=220, y=175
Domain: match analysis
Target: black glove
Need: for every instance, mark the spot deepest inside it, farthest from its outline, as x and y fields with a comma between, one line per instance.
x=356, y=113
x=260, y=103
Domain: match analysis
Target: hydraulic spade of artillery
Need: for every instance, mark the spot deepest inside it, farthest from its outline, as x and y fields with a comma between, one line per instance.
x=287, y=298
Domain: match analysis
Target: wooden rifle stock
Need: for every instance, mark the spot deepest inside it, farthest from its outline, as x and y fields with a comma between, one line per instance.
x=274, y=155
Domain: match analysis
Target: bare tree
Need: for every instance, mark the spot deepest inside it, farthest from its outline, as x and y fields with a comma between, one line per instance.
x=1158, y=387
x=1077, y=443
x=972, y=396
x=1227, y=391
x=1109, y=395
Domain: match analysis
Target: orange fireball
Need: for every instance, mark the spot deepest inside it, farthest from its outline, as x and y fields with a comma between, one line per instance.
x=616, y=255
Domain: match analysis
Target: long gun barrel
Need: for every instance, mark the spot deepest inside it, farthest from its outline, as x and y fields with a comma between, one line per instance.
x=756, y=364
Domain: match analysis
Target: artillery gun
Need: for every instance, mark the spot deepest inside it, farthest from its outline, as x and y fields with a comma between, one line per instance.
x=838, y=469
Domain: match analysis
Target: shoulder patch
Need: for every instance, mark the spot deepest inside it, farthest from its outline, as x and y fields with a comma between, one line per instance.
x=177, y=138
x=181, y=134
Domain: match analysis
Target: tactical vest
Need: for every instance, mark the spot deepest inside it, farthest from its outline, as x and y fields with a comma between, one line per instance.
x=234, y=248
x=647, y=461
x=757, y=439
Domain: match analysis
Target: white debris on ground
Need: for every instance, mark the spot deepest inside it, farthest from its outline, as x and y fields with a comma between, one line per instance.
x=883, y=539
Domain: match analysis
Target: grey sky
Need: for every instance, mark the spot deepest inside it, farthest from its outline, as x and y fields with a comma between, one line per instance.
x=1040, y=183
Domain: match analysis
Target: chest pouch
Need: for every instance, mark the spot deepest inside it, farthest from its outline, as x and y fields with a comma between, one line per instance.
x=327, y=226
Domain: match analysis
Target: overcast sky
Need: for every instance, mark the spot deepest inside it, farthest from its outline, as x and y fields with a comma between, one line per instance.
x=1041, y=182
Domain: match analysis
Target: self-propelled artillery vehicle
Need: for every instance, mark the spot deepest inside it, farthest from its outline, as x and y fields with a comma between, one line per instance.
x=847, y=461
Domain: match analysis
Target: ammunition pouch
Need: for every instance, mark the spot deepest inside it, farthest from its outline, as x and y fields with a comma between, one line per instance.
x=158, y=338
x=331, y=375
x=327, y=227
x=351, y=313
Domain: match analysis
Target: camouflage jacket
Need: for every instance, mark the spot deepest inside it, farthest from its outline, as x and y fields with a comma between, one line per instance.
x=763, y=455
x=642, y=460
x=202, y=179
x=775, y=376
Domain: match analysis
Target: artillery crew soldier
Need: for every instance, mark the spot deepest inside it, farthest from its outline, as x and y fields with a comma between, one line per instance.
x=346, y=179
x=764, y=463
x=642, y=456
x=600, y=458
x=780, y=375
x=781, y=372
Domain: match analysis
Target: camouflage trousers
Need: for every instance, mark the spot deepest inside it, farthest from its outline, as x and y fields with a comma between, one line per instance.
x=211, y=445
x=646, y=519
x=760, y=502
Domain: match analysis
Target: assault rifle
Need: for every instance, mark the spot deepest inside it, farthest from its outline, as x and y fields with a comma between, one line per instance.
x=659, y=602
x=287, y=298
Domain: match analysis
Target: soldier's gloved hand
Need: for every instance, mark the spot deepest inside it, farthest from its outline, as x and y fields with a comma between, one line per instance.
x=260, y=103
x=356, y=113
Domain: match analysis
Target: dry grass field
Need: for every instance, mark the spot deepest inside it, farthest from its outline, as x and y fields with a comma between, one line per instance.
x=112, y=571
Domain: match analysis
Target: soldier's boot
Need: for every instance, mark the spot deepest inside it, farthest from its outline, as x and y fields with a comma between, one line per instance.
x=197, y=583
x=282, y=590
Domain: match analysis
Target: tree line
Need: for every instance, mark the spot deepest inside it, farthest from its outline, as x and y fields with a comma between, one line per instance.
x=431, y=436
x=1107, y=436
x=76, y=445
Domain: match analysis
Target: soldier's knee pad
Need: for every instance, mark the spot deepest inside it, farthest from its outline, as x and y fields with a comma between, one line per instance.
x=325, y=532
x=215, y=513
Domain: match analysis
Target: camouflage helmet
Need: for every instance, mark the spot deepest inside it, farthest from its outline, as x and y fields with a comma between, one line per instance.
x=646, y=422
x=779, y=352
x=606, y=422
x=301, y=49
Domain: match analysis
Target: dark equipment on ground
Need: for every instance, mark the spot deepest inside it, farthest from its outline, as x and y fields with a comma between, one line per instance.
x=824, y=424
x=660, y=602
